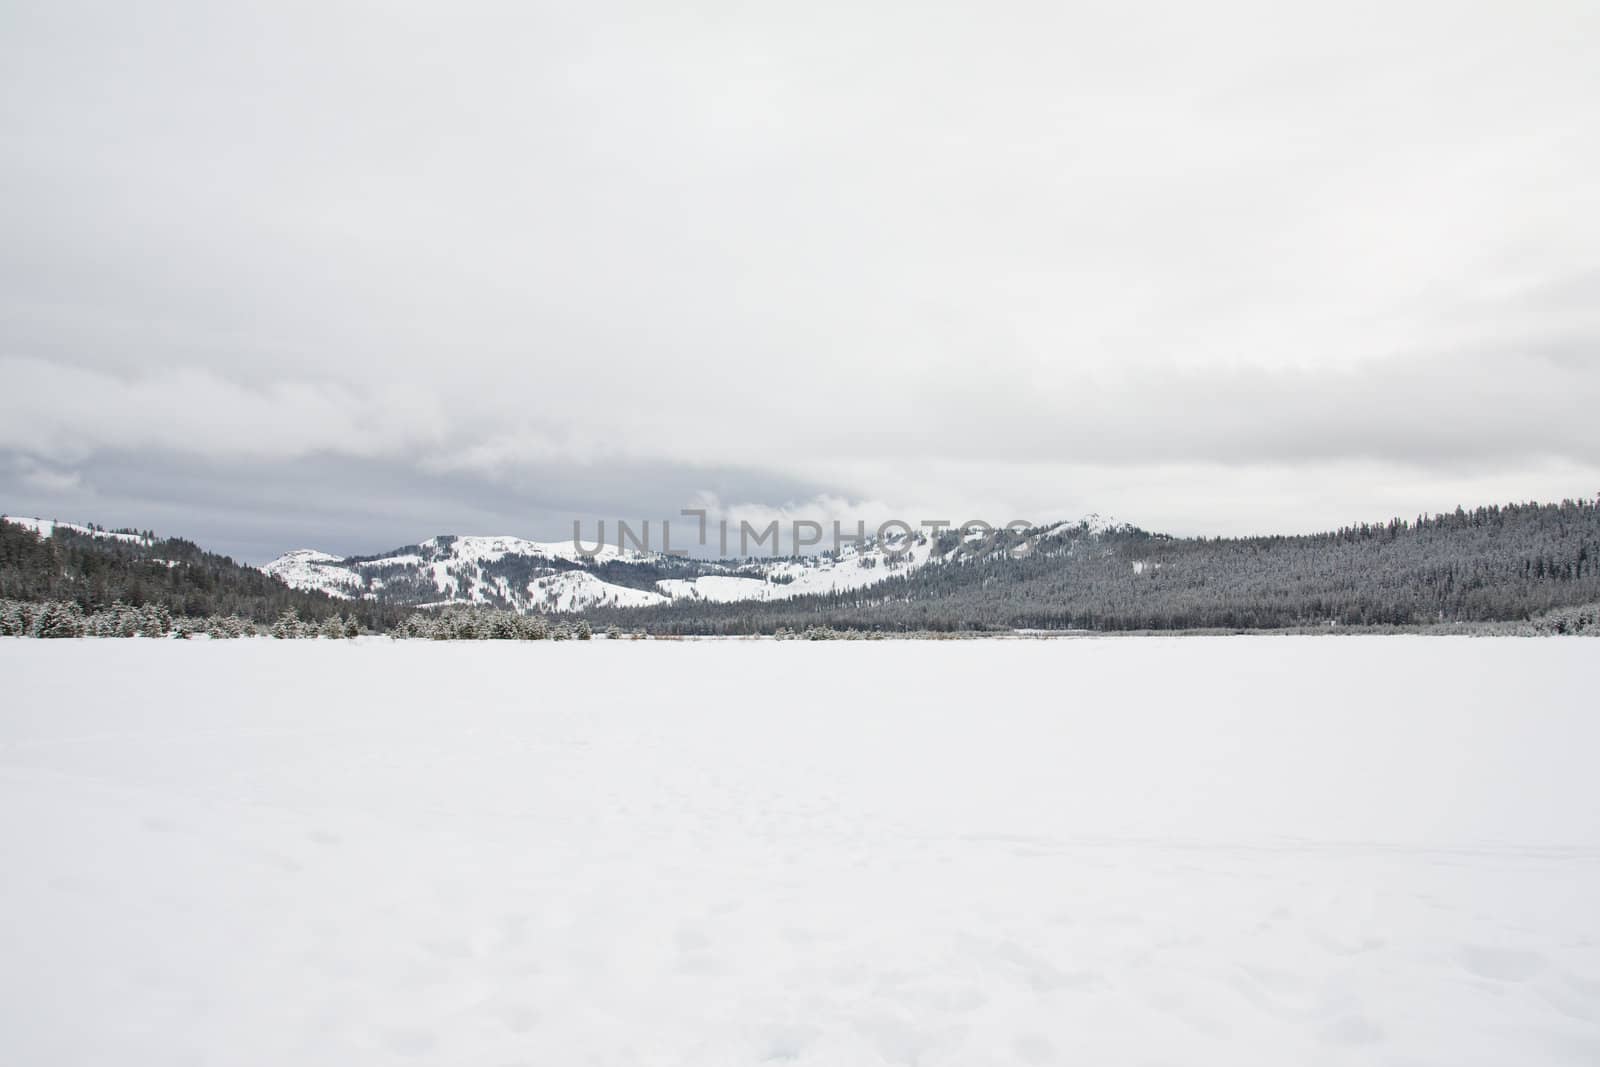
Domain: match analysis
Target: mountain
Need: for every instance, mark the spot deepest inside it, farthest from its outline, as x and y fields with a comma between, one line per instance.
x=502, y=572
x=1503, y=563
x=514, y=574
x=94, y=569
x=1508, y=562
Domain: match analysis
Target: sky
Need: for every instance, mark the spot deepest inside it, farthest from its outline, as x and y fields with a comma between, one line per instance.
x=348, y=275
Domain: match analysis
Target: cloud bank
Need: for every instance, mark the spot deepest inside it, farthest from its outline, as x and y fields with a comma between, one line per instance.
x=1235, y=269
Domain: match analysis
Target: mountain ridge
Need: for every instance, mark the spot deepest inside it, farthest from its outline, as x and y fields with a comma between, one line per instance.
x=523, y=575
x=1494, y=563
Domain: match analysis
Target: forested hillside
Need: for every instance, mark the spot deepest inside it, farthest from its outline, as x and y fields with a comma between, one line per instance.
x=97, y=571
x=1503, y=563
x=1491, y=563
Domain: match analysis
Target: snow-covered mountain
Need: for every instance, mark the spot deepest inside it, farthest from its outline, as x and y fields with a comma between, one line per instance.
x=307, y=568
x=553, y=576
x=852, y=567
x=507, y=572
x=535, y=576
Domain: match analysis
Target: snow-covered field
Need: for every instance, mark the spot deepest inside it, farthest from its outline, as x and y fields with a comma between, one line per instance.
x=1127, y=851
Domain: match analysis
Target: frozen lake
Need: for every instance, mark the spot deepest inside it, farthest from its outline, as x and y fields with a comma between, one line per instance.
x=1117, y=851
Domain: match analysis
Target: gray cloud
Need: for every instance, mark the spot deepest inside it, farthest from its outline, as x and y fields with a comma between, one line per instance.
x=308, y=268
x=257, y=509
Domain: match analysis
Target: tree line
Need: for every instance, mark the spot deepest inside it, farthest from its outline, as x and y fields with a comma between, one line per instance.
x=1500, y=563
x=1506, y=563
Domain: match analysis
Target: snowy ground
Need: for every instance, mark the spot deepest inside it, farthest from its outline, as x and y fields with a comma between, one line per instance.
x=1130, y=851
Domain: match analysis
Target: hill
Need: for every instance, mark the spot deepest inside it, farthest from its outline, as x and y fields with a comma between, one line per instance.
x=1494, y=563
x=42, y=560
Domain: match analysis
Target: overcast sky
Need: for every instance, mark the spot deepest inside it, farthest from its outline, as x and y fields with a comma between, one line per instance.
x=347, y=275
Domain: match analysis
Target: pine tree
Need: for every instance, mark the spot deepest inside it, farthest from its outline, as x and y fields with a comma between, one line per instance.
x=13, y=618
x=288, y=625
x=155, y=620
x=57, y=619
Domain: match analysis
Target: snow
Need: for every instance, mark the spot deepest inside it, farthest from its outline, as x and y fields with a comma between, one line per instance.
x=718, y=588
x=1091, y=526
x=340, y=576
x=307, y=568
x=1094, y=523
x=471, y=549
x=48, y=527
x=1238, y=851
x=571, y=591
x=408, y=559
x=578, y=590
x=854, y=568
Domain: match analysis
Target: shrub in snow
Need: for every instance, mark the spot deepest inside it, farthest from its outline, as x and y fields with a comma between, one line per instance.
x=227, y=627
x=479, y=624
x=55, y=619
x=122, y=621
x=1584, y=619
x=288, y=625
x=155, y=621
x=14, y=620
x=413, y=627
